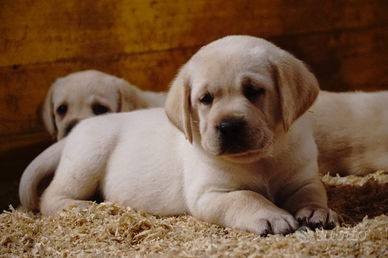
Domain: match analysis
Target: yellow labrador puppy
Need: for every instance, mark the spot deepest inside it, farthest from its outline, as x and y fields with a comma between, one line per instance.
x=90, y=93
x=351, y=131
x=233, y=147
x=71, y=99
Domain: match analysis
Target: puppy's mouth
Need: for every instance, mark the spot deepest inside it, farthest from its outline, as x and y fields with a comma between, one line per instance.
x=244, y=154
x=237, y=154
x=247, y=156
x=238, y=141
x=242, y=146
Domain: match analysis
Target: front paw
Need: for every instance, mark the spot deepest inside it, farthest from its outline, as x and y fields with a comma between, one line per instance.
x=315, y=217
x=274, y=222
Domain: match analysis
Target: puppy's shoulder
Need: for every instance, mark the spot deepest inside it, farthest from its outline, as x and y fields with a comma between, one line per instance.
x=301, y=142
x=302, y=128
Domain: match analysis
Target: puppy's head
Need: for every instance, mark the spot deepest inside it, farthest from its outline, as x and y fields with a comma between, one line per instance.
x=236, y=94
x=85, y=94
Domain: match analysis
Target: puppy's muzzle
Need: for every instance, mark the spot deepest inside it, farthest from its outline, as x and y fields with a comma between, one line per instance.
x=232, y=134
x=70, y=127
x=229, y=128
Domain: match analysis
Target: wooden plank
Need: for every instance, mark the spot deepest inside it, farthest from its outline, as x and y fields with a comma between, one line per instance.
x=346, y=60
x=46, y=31
x=24, y=88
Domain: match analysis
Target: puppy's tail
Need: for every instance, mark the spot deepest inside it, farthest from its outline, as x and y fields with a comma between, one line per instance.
x=43, y=165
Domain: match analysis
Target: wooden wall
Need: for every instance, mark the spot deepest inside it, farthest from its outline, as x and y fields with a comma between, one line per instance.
x=145, y=41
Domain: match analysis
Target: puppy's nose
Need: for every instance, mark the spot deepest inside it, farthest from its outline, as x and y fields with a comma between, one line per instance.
x=70, y=127
x=230, y=127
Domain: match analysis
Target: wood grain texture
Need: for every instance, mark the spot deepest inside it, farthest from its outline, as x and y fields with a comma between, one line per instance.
x=151, y=71
x=36, y=31
x=146, y=41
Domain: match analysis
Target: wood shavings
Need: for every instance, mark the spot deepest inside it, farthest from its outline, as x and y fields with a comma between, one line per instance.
x=379, y=176
x=109, y=230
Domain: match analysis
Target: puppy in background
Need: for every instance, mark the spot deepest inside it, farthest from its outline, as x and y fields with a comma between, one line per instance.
x=90, y=93
x=351, y=132
x=74, y=98
x=233, y=146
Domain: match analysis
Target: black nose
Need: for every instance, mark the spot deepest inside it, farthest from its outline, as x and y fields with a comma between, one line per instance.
x=230, y=127
x=70, y=127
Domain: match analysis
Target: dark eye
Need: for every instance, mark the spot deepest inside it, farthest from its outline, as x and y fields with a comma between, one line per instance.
x=62, y=109
x=252, y=91
x=206, y=99
x=99, y=109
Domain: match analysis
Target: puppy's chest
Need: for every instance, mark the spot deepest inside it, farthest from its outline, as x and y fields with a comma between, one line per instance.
x=263, y=186
x=267, y=183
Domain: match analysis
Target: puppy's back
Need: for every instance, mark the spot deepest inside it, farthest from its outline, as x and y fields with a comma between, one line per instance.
x=351, y=132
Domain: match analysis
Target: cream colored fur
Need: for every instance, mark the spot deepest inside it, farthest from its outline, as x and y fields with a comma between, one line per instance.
x=80, y=93
x=87, y=93
x=351, y=131
x=238, y=149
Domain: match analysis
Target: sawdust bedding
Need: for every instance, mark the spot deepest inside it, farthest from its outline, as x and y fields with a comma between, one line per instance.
x=108, y=230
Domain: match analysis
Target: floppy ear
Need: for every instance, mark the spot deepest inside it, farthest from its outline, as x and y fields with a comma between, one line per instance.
x=178, y=105
x=298, y=87
x=129, y=97
x=48, y=116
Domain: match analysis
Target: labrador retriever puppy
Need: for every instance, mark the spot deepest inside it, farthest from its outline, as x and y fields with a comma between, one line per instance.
x=90, y=93
x=71, y=99
x=351, y=132
x=233, y=146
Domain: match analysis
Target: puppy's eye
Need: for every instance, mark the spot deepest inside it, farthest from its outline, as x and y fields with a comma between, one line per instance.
x=99, y=109
x=62, y=109
x=252, y=92
x=206, y=99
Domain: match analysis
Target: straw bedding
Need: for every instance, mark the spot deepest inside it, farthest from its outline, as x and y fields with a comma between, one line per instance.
x=108, y=230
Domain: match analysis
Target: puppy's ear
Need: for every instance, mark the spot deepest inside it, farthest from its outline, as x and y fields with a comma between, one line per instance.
x=178, y=104
x=47, y=111
x=298, y=87
x=130, y=97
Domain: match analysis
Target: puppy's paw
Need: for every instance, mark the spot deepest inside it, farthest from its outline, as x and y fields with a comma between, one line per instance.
x=273, y=222
x=315, y=217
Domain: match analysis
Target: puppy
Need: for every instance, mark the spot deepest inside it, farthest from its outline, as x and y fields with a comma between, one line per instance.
x=238, y=150
x=71, y=99
x=351, y=132
x=90, y=93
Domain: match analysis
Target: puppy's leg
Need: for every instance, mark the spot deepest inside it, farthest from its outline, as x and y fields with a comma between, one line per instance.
x=42, y=166
x=309, y=206
x=78, y=176
x=72, y=185
x=244, y=210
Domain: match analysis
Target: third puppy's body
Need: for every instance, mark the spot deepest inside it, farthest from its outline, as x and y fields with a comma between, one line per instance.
x=233, y=146
x=351, y=131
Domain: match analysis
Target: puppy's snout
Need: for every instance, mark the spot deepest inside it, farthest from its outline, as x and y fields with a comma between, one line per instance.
x=230, y=127
x=70, y=126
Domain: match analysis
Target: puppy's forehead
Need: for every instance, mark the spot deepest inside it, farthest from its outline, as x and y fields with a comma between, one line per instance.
x=85, y=88
x=227, y=64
